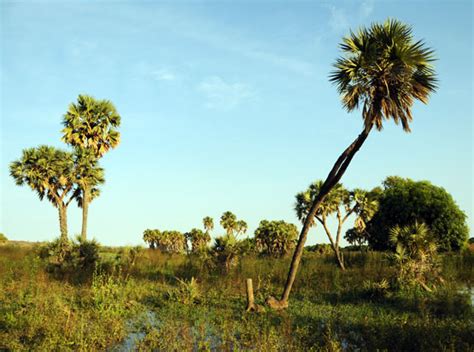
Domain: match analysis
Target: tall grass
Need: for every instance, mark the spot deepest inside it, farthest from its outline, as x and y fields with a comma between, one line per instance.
x=177, y=302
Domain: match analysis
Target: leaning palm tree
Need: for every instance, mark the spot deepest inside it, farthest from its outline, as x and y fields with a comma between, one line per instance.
x=50, y=173
x=91, y=125
x=383, y=71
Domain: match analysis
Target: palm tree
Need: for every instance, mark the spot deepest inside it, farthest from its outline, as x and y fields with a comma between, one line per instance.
x=241, y=227
x=415, y=254
x=91, y=125
x=149, y=237
x=198, y=240
x=89, y=175
x=229, y=222
x=384, y=70
x=339, y=201
x=50, y=173
x=208, y=224
x=366, y=205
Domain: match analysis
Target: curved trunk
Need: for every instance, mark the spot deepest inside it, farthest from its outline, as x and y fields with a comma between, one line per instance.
x=85, y=211
x=334, y=176
x=63, y=222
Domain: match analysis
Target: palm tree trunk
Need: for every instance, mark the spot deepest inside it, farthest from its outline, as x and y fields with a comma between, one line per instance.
x=340, y=258
x=334, y=176
x=63, y=222
x=85, y=211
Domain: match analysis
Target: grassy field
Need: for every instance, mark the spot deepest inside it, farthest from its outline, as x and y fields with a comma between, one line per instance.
x=154, y=301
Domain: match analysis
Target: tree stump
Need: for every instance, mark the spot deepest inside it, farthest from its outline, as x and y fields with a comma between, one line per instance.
x=251, y=306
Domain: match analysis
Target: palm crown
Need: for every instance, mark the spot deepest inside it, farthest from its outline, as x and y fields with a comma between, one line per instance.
x=384, y=70
x=92, y=124
x=46, y=170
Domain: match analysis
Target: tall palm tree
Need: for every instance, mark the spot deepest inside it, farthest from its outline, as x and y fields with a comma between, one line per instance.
x=89, y=175
x=229, y=222
x=91, y=125
x=50, y=173
x=384, y=70
x=208, y=224
x=241, y=227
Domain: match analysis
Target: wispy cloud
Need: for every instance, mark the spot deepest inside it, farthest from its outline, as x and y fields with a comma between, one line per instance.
x=223, y=95
x=342, y=18
x=206, y=31
x=338, y=19
x=163, y=74
x=366, y=8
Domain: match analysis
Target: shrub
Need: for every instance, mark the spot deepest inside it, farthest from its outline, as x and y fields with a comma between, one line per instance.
x=404, y=201
x=319, y=248
x=71, y=259
x=187, y=292
x=3, y=238
x=415, y=256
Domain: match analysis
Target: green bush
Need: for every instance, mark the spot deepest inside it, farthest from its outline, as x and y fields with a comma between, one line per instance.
x=3, y=238
x=404, y=201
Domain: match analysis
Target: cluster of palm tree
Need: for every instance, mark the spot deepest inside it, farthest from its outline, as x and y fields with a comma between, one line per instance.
x=342, y=203
x=194, y=241
x=90, y=129
x=166, y=241
x=275, y=238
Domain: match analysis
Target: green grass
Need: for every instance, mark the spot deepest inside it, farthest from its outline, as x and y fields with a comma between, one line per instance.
x=329, y=310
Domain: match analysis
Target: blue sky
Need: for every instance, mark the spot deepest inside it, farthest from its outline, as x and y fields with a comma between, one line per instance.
x=225, y=106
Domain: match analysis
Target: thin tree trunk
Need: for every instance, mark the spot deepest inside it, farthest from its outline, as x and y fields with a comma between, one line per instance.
x=250, y=297
x=85, y=211
x=63, y=222
x=334, y=176
x=339, y=258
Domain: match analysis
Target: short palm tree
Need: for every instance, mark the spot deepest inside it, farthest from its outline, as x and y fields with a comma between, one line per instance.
x=384, y=71
x=50, y=173
x=90, y=126
x=415, y=254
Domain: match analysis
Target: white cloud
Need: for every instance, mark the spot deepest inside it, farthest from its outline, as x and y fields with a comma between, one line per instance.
x=224, y=95
x=163, y=74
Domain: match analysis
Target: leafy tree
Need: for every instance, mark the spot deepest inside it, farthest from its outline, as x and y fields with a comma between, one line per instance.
x=3, y=238
x=50, y=172
x=198, y=239
x=90, y=126
x=384, y=70
x=404, y=201
x=275, y=238
x=343, y=204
